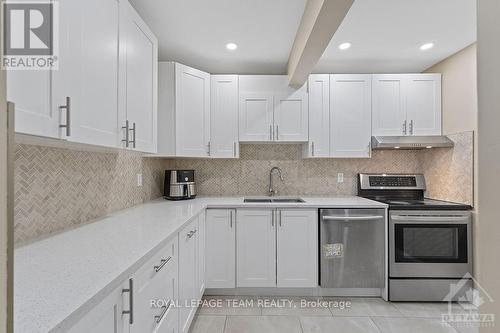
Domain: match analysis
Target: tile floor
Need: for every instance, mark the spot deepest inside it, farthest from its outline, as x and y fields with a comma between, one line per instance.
x=289, y=315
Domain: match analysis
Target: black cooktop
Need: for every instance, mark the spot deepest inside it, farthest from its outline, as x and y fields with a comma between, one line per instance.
x=421, y=204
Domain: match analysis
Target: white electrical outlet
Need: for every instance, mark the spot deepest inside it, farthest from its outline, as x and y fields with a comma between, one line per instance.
x=340, y=177
x=139, y=180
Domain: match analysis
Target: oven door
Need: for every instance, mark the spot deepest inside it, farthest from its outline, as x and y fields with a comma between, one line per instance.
x=429, y=244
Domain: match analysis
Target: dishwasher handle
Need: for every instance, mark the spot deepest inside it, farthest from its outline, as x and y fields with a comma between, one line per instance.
x=352, y=218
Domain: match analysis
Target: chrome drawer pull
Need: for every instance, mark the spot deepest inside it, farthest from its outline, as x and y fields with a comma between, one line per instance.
x=163, y=312
x=67, y=107
x=130, y=291
x=163, y=263
x=126, y=128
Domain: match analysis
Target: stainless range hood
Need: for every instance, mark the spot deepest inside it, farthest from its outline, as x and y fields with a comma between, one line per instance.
x=410, y=142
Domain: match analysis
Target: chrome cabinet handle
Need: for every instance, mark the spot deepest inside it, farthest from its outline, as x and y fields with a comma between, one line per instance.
x=277, y=132
x=126, y=128
x=411, y=127
x=234, y=149
x=279, y=219
x=404, y=127
x=231, y=219
x=130, y=291
x=191, y=233
x=208, y=148
x=271, y=132
x=163, y=312
x=312, y=149
x=133, y=135
x=67, y=107
x=272, y=219
x=429, y=218
x=163, y=263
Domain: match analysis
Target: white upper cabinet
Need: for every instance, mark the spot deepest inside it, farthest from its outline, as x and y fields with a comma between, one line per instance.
x=224, y=142
x=297, y=248
x=30, y=91
x=406, y=104
x=138, y=81
x=423, y=104
x=85, y=86
x=220, y=248
x=184, y=111
x=291, y=117
x=256, y=117
x=270, y=110
x=350, y=115
x=388, y=107
x=256, y=248
x=319, y=116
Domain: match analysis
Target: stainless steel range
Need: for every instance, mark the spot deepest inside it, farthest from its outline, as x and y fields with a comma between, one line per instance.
x=429, y=240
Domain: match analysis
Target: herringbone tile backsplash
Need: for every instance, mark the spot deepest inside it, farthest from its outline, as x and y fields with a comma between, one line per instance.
x=56, y=189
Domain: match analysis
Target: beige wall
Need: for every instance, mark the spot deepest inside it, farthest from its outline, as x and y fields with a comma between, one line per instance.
x=459, y=90
x=488, y=235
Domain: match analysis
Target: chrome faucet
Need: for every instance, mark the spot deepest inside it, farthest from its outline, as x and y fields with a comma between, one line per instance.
x=272, y=191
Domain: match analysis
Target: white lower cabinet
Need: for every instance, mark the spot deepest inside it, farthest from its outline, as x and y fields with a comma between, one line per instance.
x=297, y=248
x=188, y=274
x=220, y=256
x=256, y=248
x=155, y=291
x=106, y=316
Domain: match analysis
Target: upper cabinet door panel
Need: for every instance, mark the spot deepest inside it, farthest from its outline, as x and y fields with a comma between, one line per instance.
x=30, y=91
x=192, y=111
x=291, y=116
x=139, y=55
x=350, y=107
x=256, y=116
x=224, y=116
x=88, y=70
x=388, y=107
x=424, y=104
x=319, y=115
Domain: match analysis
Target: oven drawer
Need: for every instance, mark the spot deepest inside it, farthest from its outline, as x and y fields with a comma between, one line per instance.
x=427, y=290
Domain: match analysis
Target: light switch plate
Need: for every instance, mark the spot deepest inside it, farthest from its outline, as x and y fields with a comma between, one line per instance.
x=139, y=180
x=340, y=177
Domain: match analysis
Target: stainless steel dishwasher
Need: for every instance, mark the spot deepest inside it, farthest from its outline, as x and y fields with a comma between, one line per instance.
x=352, y=248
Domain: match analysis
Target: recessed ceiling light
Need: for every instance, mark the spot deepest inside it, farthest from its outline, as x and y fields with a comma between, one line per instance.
x=231, y=46
x=426, y=46
x=345, y=46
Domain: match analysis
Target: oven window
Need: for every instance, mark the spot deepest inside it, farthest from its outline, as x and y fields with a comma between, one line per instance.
x=436, y=243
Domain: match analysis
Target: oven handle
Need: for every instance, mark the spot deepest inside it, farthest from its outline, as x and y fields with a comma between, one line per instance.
x=352, y=218
x=429, y=218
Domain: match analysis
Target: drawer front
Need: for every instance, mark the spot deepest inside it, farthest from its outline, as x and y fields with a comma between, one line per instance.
x=162, y=262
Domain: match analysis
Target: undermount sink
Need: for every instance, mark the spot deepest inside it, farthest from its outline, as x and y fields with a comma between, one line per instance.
x=271, y=200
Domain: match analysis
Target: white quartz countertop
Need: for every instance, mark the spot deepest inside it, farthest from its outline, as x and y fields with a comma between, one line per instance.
x=60, y=278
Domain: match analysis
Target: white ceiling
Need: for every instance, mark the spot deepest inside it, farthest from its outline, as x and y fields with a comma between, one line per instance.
x=386, y=35
x=195, y=32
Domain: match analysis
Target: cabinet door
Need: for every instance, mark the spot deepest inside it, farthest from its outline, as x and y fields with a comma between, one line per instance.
x=256, y=117
x=291, y=116
x=201, y=247
x=188, y=266
x=88, y=70
x=138, y=79
x=319, y=116
x=220, y=249
x=424, y=104
x=256, y=248
x=350, y=115
x=106, y=316
x=192, y=100
x=389, y=105
x=297, y=248
x=30, y=91
x=224, y=116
